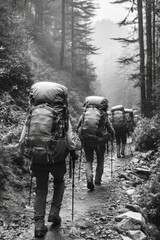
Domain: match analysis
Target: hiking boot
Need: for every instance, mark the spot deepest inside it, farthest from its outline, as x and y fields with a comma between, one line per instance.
x=54, y=216
x=123, y=155
x=123, y=150
x=40, y=228
x=90, y=186
x=97, y=182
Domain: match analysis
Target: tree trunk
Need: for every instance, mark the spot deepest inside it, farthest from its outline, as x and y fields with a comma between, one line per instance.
x=141, y=46
x=72, y=37
x=149, y=106
x=62, y=36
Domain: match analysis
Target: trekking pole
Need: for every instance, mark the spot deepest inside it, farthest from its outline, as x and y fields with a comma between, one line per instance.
x=30, y=188
x=111, y=158
x=73, y=171
x=70, y=168
x=80, y=160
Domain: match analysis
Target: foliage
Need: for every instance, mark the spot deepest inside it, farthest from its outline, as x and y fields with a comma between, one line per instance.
x=14, y=72
x=147, y=133
x=150, y=196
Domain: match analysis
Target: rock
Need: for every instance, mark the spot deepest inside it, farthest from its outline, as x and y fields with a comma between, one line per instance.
x=149, y=153
x=122, y=210
x=127, y=224
x=158, y=161
x=134, y=208
x=137, y=235
x=135, y=160
x=130, y=191
x=125, y=237
x=137, y=217
x=124, y=175
x=143, y=170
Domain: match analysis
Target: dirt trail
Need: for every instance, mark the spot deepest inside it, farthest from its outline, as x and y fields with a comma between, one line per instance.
x=93, y=211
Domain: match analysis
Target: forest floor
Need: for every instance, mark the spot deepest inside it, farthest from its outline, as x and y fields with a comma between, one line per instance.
x=93, y=214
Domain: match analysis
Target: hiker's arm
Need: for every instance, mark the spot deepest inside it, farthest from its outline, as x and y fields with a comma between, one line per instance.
x=70, y=138
x=109, y=127
x=71, y=142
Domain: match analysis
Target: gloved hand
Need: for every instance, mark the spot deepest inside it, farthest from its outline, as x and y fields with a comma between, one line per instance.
x=74, y=155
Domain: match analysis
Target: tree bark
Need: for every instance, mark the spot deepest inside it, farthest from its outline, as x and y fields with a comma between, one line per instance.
x=72, y=36
x=149, y=58
x=61, y=62
x=142, y=56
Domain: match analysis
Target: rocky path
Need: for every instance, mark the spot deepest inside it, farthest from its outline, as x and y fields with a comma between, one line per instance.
x=94, y=212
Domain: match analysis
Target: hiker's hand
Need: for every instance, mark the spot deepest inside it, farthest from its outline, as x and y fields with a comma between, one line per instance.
x=73, y=155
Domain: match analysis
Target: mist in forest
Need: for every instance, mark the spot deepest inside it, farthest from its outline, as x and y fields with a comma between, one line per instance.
x=113, y=77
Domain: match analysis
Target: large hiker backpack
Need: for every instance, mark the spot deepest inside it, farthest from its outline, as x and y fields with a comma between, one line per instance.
x=47, y=123
x=92, y=128
x=129, y=119
x=118, y=118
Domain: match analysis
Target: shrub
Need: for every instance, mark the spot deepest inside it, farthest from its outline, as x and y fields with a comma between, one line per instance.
x=147, y=134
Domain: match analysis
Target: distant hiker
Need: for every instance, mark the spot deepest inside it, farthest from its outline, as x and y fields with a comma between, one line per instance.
x=48, y=135
x=120, y=126
x=130, y=121
x=94, y=130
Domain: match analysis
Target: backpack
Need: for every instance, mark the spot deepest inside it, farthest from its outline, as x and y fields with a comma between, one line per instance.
x=129, y=119
x=93, y=121
x=118, y=118
x=47, y=123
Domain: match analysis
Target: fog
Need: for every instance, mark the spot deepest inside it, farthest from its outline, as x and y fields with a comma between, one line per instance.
x=113, y=77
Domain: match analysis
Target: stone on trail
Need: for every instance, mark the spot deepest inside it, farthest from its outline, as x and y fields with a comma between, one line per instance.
x=136, y=216
x=130, y=191
x=125, y=237
x=137, y=235
x=127, y=224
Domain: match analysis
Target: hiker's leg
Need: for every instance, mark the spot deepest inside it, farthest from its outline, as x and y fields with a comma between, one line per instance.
x=89, y=154
x=124, y=140
x=118, y=142
x=41, y=175
x=100, y=164
x=40, y=200
x=58, y=171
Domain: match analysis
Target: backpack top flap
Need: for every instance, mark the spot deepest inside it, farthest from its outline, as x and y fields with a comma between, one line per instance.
x=128, y=110
x=117, y=108
x=96, y=101
x=48, y=92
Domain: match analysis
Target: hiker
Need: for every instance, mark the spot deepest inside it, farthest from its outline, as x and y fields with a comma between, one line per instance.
x=130, y=121
x=120, y=127
x=94, y=130
x=49, y=137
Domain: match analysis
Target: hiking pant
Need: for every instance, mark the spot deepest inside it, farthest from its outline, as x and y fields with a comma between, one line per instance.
x=41, y=173
x=89, y=154
x=121, y=139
